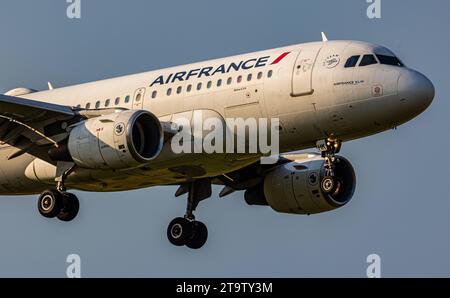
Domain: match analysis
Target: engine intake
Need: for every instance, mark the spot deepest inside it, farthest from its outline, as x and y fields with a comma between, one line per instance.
x=114, y=141
x=144, y=136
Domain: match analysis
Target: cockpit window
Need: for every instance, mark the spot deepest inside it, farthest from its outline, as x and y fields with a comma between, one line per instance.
x=390, y=60
x=351, y=62
x=368, y=60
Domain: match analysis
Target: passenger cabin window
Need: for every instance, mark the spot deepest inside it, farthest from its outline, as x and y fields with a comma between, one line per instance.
x=88, y=106
x=239, y=79
x=229, y=81
x=169, y=91
x=97, y=104
x=260, y=74
x=249, y=77
x=270, y=73
x=368, y=60
x=107, y=102
x=154, y=94
x=179, y=90
x=390, y=60
x=127, y=99
x=117, y=101
x=209, y=84
x=351, y=62
x=199, y=86
x=189, y=88
x=219, y=82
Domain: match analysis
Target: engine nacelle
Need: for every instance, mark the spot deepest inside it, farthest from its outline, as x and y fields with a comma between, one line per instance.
x=294, y=187
x=116, y=141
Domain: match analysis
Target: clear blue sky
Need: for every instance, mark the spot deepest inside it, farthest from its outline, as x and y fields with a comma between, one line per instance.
x=401, y=206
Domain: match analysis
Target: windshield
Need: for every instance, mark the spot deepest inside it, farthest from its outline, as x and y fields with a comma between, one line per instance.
x=390, y=60
x=368, y=60
x=351, y=62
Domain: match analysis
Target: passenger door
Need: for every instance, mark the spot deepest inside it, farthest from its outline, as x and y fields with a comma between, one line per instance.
x=303, y=68
x=138, y=99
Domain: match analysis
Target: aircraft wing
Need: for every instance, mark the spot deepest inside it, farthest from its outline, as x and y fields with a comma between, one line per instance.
x=32, y=126
x=31, y=110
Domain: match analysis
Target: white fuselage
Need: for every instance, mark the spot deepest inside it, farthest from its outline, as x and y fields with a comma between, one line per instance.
x=306, y=86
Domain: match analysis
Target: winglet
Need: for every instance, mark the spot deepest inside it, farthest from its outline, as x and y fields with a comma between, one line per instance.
x=324, y=37
x=50, y=86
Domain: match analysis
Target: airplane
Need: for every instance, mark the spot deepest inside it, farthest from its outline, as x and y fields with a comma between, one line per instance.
x=116, y=134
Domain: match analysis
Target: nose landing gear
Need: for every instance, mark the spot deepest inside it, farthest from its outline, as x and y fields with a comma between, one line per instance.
x=186, y=230
x=329, y=148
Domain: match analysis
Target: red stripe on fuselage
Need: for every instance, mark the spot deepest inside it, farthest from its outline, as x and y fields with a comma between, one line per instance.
x=281, y=57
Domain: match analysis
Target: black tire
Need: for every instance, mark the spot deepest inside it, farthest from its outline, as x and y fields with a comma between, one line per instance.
x=50, y=203
x=71, y=206
x=179, y=231
x=328, y=184
x=199, y=235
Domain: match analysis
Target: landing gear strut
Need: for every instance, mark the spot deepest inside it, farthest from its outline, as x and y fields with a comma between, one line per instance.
x=57, y=202
x=329, y=148
x=186, y=230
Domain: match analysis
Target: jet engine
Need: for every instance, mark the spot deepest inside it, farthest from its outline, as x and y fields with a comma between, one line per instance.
x=113, y=141
x=294, y=187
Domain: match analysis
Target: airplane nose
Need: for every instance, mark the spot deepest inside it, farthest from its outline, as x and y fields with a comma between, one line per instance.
x=416, y=90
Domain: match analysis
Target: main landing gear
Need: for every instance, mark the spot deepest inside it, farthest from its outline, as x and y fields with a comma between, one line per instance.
x=329, y=147
x=57, y=202
x=186, y=230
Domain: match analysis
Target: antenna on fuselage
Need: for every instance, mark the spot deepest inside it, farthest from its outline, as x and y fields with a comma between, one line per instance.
x=324, y=37
x=50, y=86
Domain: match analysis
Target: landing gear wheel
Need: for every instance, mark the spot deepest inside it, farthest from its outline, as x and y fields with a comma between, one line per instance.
x=50, y=203
x=199, y=235
x=186, y=230
x=71, y=206
x=179, y=231
x=328, y=184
